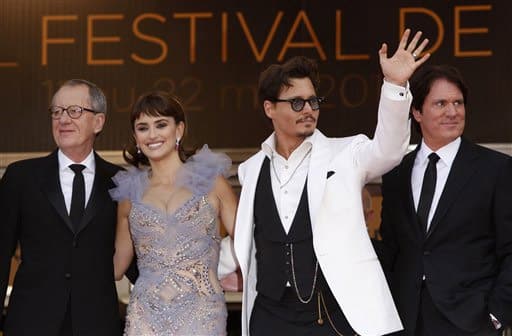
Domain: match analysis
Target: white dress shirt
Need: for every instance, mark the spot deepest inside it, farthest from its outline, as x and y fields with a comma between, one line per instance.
x=288, y=177
x=446, y=154
x=66, y=176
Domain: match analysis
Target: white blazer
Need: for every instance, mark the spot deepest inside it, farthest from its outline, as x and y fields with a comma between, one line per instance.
x=340, y=238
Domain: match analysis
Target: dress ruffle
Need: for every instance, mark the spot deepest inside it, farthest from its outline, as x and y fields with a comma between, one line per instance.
x=197, y=174
x=130, y=184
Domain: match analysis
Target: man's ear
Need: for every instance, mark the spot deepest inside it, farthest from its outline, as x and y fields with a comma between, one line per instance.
x=416, y=115
x=268, y=107
x=99, y=122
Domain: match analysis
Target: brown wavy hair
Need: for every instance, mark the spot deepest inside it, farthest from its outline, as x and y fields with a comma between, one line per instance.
x=277, y=77
x=154, y=104
x=423, y=80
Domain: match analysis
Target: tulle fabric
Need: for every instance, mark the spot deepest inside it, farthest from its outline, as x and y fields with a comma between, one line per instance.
x=130, y=184
x=197, y=174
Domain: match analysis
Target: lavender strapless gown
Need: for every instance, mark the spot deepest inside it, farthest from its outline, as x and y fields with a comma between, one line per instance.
x=177, y=292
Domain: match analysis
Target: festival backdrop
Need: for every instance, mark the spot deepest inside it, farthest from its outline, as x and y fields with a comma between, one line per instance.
x=210, y=54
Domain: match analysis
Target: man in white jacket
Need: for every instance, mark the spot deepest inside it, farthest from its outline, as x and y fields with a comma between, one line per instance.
x=307, y=262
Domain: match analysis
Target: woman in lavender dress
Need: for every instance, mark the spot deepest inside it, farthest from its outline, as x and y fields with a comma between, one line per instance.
x=168, y=215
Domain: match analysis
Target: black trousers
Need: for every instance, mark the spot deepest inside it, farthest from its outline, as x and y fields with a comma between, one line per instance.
x=66, y=328
x=290, y=317
x=431, y=322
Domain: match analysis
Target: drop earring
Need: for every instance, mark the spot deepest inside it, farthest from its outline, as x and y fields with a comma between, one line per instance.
x=138, y=150
x=177, y=144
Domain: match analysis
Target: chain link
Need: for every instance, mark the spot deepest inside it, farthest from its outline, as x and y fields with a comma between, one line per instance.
x=295, y=280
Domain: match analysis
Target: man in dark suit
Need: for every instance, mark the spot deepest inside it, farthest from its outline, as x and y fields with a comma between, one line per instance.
x=447, y=221
x=59, y=211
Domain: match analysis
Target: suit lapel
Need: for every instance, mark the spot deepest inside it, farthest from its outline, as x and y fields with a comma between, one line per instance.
x=243, y=241
x=460, y=173
x=406, y=192
x=99, y=193
x=252, y=174
x=51, y=187
x=317, y=174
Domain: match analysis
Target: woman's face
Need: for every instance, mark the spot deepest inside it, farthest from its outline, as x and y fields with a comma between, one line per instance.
x=156, y=135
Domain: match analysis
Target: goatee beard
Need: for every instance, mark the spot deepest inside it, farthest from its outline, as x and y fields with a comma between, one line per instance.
x=307, y=133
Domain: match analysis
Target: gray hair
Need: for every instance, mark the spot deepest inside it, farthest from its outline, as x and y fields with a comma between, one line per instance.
x=97, y=98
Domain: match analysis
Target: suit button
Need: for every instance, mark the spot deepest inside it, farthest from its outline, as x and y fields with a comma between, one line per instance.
x=426, y=253
x=67, y=275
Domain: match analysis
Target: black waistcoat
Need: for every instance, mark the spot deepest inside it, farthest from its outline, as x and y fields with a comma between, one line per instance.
x=273, y=245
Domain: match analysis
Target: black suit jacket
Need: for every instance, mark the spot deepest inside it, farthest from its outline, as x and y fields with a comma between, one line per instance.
x=466, y=255
x=57, y=264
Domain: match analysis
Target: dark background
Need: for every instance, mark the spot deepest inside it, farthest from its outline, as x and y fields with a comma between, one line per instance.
x=218, y=87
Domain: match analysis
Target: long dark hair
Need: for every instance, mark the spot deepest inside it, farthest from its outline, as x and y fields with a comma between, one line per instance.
x=154, y=104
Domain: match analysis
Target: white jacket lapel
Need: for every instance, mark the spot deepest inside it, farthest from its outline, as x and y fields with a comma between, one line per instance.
x=248, y=173
x=317, y=174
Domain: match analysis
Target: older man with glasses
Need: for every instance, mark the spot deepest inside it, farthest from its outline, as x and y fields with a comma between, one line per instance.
x=59, y=211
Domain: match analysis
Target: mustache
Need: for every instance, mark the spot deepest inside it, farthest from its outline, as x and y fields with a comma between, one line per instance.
x=306, y=118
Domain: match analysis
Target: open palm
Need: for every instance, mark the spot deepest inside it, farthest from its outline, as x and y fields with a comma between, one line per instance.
x=400, y=67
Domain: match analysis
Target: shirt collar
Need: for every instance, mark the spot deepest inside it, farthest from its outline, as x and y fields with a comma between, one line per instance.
x=88, y=162
x=446, y=153
x=269, y=146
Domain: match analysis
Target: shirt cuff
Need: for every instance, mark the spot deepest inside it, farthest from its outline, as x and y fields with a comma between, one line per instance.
x=395, y=92
x=497, y=324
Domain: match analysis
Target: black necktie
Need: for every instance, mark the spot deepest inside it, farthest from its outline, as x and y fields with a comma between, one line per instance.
x=427, y=191
x=78, y=196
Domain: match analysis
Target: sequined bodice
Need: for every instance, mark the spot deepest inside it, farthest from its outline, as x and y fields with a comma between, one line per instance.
x=191, y=231
x=177, y=256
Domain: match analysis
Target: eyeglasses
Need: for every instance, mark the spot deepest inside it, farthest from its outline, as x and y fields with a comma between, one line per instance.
x=298, y=104
x=73, y=111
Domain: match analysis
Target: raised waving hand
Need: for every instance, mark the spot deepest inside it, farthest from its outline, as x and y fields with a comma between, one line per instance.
x=398, y=68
